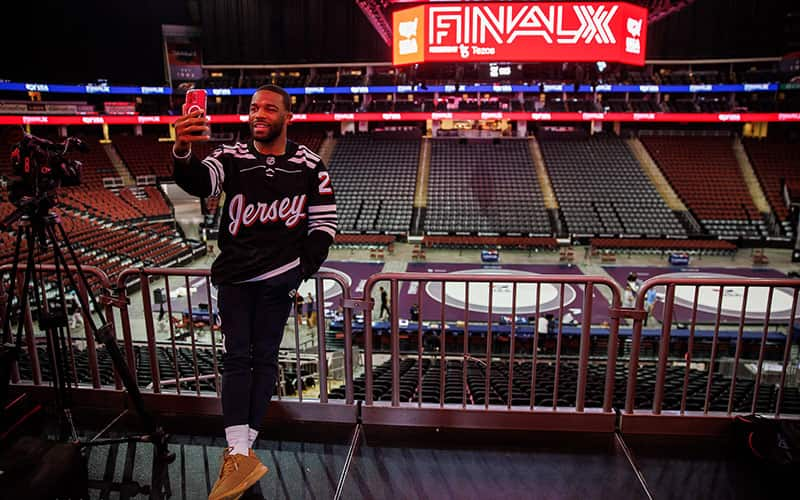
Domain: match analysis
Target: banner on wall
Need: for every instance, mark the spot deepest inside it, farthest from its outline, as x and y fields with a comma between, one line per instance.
x=183, y=55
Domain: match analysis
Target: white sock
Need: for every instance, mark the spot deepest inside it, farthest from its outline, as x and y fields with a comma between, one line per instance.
x=252, y=435
x=237, y=437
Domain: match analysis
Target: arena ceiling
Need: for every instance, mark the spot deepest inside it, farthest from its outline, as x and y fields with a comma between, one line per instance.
x=121, y=41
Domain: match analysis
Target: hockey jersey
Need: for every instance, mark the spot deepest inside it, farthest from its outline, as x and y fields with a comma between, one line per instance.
x=279, y=211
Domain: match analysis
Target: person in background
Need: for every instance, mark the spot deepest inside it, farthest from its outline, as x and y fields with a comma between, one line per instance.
x=414, y=312
x=632, y=285
x=649, y=304
x=568, y=319
x=384, y=304
x=552, y=323
x=309, y=307
x=542, y=324
x=76, y=318
x=298, y=306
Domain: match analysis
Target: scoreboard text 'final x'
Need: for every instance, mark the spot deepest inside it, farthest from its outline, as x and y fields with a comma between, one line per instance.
x=520, y=31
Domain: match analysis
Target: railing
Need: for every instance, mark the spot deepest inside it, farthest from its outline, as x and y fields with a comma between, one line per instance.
x=47, y=287
x=489, y=413
x=686, y=293
x=514, y=373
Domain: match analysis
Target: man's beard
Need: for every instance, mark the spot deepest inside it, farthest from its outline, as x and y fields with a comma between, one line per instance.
x=274, y=132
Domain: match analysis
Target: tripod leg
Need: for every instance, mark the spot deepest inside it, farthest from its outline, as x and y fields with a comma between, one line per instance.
x=63, y=349
x=79, y=270
x=160, y=487
x=10, y=352
x=12, y=289
x=104, y=334
x=27, y=282
x=52, y=323
x=23, y=303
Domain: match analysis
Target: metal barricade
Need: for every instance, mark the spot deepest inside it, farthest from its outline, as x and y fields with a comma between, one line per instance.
x=189, y=344
x=78, y=342
x=715, y=384
x=684, y=376
x=487, y=410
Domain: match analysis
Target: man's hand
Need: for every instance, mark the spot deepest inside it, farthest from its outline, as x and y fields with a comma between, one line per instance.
x=188, y=129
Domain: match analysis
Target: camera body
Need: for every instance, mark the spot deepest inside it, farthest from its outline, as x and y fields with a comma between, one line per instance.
x=39, y=166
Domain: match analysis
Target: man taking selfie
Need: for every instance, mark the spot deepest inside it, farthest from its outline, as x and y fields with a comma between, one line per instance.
x=278, y=221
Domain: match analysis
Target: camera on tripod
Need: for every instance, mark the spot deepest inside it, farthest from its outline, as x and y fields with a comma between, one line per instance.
x=39, y=166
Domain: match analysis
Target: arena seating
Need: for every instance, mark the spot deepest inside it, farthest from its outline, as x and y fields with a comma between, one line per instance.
x=519, y=242
x=288, y=80
x=179, y=362
x=429, y=391
x=374, y=177
x=650, y=245
x=312, y=139
x=110, y=246
x=616, y=106
x=705, y=174
x=484, y=186
x=147, y=199
x=322, y=79
x=383, y=79
x=793, y=188
x=775, y=163
x=321, y=105
x=602, y=189
x=645, y=106
x=99, y=202
x=347, y=80
x=364, y=239
x=144, y=155
x=109, y=230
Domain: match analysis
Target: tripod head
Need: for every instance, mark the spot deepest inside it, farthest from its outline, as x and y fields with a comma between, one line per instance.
x=34, y=208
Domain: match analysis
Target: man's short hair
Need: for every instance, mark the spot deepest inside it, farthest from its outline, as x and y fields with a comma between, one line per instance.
x=287, y=101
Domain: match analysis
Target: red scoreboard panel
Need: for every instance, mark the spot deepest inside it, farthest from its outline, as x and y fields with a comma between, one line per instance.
x=519, y=32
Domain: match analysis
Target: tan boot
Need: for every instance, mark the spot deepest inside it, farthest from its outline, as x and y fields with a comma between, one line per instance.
x=236, y=475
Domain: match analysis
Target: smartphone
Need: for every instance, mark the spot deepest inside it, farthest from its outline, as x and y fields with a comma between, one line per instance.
x=195, y=101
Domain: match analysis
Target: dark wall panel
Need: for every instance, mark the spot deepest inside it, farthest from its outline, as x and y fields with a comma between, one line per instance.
x=288, y=31
x=80, y=41
x=719, y=29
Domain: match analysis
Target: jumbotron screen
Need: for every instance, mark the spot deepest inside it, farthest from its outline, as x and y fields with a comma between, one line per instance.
x=520, y=31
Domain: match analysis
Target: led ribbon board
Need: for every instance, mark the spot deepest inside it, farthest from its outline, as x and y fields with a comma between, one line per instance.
x=520, y=31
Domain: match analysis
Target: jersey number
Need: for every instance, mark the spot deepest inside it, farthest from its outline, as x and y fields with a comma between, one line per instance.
x=325, y=183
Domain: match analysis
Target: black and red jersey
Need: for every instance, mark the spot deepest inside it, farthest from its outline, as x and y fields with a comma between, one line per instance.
x=279, y=211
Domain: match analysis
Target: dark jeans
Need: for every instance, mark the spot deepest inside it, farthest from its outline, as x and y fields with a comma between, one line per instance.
x=253, y=319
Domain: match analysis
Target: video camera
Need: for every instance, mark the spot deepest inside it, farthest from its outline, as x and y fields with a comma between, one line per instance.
x=39, y=166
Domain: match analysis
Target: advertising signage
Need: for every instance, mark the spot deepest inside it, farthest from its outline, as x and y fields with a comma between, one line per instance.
x=519, y=32
x=544, y=116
